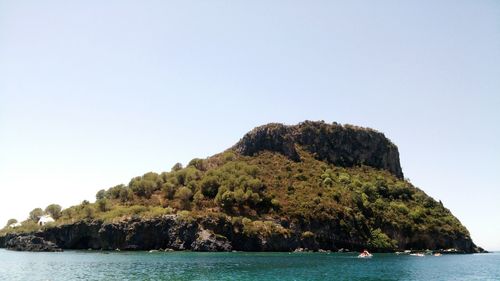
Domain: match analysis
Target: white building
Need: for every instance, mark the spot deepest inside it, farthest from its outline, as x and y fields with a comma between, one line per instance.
x=45, y=219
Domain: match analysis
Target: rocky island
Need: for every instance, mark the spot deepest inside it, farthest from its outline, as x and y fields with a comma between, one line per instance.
x=309, y=186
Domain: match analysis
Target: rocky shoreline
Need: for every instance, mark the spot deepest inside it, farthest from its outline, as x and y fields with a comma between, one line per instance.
x=31, y=243
x=175, y=233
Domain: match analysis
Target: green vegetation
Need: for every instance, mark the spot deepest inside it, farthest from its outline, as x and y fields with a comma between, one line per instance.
x=35, y=214
x=11, y=222
x=380, y=240
x=54, y=211
x=31, y=223
x=257, y=191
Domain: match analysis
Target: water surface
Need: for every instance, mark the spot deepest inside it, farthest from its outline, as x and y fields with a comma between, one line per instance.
x=95, y=265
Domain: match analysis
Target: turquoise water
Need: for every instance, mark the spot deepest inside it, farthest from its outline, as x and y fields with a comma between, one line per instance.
x=89, y=265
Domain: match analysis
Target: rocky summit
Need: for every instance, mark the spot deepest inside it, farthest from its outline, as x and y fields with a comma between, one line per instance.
x=310, y=186
x=345, y=146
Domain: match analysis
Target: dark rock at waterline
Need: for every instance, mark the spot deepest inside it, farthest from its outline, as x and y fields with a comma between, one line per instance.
x=212, y=234
x=31, y=243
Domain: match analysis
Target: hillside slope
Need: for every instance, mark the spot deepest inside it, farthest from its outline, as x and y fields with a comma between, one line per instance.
x=313, y=185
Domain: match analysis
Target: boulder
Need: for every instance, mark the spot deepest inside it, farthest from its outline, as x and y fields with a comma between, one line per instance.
x=207, y=241
x=31, y=243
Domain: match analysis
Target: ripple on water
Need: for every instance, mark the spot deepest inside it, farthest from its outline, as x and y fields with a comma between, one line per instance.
x=85, y=265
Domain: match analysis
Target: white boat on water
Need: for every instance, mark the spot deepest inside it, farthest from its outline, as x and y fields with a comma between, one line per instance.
x=365, y=255
x=417, y=255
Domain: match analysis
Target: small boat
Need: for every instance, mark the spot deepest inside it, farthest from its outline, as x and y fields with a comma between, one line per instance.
x=417, y=255
x=365, y=255
x=437, y=254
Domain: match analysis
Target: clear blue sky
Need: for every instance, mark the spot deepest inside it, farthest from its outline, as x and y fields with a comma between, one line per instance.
x=93, y=93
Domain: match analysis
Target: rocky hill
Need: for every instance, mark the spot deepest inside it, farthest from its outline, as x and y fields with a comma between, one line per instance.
x=280, y=188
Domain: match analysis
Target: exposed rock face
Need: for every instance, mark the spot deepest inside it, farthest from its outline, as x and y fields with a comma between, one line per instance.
x=31, y=243
x=209, y=234
x=135, y=234
x=207, y=241
x=345, y=146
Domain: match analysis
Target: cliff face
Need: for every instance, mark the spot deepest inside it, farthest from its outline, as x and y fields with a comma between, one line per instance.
x=345, y=146
x=210, y=234
x=169, y=232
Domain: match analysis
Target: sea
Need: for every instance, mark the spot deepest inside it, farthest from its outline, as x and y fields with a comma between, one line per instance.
x=99, y=265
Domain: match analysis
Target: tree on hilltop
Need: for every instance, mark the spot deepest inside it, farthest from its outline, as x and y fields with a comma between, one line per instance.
x=54, y=210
